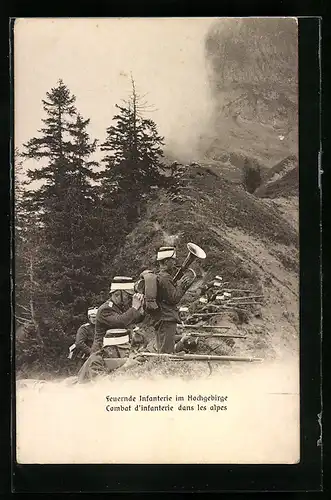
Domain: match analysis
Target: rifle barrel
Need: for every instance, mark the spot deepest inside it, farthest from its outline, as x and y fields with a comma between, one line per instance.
x=245, y=304
x=198, y=357
x=205, y=314
x=234, y=304
x=246, y=297
x=223, y=308
x=203, y=326
x=218, y=335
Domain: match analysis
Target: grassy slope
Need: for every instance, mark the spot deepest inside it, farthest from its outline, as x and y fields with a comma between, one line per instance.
x=210, y=206
x=247, y=240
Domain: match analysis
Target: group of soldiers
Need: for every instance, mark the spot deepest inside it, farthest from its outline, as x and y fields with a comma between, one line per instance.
x=111, y=339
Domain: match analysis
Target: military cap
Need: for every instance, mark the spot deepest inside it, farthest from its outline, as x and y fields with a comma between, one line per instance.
x=116, y=336
x=166, y=253
x=122, y=283
x=92, y=311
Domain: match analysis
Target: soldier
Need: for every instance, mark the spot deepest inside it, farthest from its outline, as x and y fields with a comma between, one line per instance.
x=85, y=333
x=84, y=338
x=167, y=296
x=111, y=338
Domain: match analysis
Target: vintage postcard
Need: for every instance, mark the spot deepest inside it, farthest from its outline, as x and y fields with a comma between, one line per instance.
x=156, y=241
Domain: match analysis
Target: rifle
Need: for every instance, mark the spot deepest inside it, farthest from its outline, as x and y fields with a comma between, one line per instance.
x=223, y=310
x=198, y=315
x=180, y=325
x=197, y=357
x=217, y=335
x=246, y=297
x=245, y=304
x=234, y=305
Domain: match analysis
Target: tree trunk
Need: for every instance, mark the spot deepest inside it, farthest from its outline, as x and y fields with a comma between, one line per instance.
x=134, y=118
x=32, y=308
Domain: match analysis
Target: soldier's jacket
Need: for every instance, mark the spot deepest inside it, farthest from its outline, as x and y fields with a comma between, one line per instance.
x=167, y=297
x=84, y=338
x=109, y=316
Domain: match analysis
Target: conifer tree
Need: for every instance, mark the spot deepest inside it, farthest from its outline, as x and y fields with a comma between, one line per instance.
x=27, y=244
x=134, y=152
x=65, y=204
x=23, y=236
x=133, y=165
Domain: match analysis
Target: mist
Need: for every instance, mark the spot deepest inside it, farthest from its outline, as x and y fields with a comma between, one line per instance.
x=252, y=68
x=252, y=51
x=96, y=57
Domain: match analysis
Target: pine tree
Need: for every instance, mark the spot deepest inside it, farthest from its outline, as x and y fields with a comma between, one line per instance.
x=22, y=311
x=29, y=340
x=66, y=207
x=134, y=151
x=133, y=168
x=53, y=145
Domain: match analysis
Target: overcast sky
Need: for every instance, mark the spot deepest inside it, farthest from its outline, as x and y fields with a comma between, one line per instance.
x=94, y=57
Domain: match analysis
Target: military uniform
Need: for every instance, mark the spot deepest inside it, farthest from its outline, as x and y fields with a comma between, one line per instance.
x=110, y=316
x=166, y=317
x=84, y=339
x=110, y=319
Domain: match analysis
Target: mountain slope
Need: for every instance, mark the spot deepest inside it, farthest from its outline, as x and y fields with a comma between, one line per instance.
x=207, y=205
x=253, y=79
x=282, y=180
x=248, y=242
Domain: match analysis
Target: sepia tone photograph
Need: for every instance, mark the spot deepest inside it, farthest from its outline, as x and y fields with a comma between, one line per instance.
x=156, y=224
